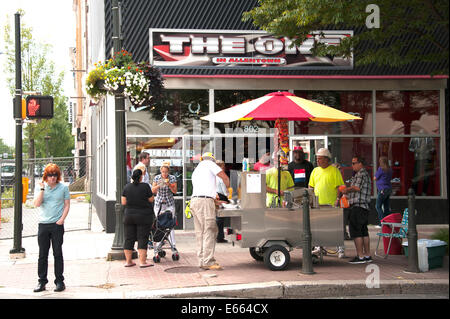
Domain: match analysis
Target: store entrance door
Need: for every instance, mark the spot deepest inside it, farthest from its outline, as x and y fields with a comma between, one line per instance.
x=310, y=145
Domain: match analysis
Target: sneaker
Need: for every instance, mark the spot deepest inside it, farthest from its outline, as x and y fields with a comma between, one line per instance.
x=357, y=260
x=212, y=267
x=316, y=250
x=341, y=255
x=368, y=259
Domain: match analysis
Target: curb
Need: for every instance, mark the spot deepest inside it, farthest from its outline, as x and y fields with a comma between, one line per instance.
x=304, y=290
x=269, y=290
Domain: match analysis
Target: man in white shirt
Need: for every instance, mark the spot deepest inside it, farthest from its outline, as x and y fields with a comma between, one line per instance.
x=203, y=208
x=144, y=158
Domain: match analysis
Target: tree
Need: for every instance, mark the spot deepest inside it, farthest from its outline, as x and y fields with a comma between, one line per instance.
x=4, y=148
x=39, y=75
x=409, y=31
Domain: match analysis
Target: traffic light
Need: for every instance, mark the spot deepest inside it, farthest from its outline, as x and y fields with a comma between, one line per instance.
x=39, y=107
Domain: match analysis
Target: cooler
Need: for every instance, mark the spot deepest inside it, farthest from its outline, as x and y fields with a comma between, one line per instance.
x=430, y=253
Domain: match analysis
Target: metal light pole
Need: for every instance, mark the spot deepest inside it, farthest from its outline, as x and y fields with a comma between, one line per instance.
x=307, y=267
x=18, y=251
x=116, y=252
x=413, y=261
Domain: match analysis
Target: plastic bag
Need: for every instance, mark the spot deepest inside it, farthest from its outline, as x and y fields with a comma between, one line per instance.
x=343, y=202
x=187, y=210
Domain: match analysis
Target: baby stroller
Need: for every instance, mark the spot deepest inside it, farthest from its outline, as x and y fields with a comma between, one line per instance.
x=161, y=228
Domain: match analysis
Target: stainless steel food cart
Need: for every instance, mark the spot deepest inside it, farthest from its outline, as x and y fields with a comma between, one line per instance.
x=271, y=233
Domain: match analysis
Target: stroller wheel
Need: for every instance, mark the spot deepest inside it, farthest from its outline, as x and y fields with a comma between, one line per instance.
x=156, y=259
x=175, y=257
x=162, y=253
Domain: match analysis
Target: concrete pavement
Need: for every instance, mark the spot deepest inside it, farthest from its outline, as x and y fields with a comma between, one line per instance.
x=90, y=276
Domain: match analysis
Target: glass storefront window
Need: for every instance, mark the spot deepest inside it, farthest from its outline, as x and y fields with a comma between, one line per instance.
x=224, y=99
x=358, y=103
x=415, y=163
x=179, y=114
x=343, y=150
x=161, y=150
x=407, y=112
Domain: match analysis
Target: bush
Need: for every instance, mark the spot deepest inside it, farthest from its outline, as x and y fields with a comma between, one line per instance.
x=441, y=234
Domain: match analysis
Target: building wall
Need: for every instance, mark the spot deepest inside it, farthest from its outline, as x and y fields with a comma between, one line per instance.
x=138, y=16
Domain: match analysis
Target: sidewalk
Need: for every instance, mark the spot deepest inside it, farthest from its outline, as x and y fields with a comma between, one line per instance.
x=89, y=276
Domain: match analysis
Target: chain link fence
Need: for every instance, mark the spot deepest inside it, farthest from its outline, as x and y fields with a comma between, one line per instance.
x=76, y=174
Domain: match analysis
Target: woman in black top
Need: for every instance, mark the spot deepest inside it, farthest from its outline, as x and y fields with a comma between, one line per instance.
x=138, y=217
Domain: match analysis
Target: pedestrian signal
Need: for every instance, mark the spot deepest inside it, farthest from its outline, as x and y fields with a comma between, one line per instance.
x=39, y=107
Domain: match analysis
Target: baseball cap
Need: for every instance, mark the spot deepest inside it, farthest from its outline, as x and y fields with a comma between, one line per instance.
x=209, y=155
x=323, y=152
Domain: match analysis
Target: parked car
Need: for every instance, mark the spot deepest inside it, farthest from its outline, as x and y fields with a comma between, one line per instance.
x=7, y=177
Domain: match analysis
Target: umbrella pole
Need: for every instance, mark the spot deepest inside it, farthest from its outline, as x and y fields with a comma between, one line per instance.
x=279, y=180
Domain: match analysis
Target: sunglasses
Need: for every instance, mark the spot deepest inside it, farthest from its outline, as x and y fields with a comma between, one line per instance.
x=52, y=175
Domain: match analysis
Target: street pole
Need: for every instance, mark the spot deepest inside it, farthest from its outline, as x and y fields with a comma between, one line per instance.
x=307, y=267
x=18, y=251
x=116, y=252
x=413, y=261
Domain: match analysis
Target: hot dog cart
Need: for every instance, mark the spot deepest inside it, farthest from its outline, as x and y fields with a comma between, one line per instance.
x=271, y=233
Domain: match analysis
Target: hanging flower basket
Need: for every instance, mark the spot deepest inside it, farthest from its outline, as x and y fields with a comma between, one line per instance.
x=140, y=82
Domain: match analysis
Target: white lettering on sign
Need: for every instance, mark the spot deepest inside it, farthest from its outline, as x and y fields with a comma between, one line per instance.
x=237, y=45
x=233, y=45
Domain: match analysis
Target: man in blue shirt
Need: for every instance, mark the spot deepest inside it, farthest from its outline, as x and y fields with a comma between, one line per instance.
x=53, y=200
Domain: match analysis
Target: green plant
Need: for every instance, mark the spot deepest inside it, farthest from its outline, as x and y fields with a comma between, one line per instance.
x=141, y=83
x=9, y=194
x=92, y=82
x=441, y=234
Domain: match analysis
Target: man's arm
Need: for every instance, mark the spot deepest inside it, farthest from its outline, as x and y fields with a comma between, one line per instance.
x=225, y=178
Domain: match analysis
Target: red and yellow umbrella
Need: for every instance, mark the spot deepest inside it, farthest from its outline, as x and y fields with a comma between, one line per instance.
x=280, y=105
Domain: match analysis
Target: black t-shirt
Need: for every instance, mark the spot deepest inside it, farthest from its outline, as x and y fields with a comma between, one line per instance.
x=137, y=198
x=300, y=172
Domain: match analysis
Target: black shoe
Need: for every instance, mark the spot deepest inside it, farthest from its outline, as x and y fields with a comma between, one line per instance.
x=368, y=259
x=40, y=287
x=221, y=241
x=357, y=260
x=59, y=287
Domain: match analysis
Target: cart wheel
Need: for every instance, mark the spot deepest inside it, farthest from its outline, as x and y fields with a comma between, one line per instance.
x=156, y=259
x=162, y=253
x=259, y=256
x=276, y=257
x=175, y=257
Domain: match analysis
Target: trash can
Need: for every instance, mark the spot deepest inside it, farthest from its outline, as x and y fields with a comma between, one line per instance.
x=430, y=253
x=396, y=244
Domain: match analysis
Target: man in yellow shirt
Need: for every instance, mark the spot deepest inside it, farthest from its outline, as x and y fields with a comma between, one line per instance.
x=286, y=182
x=325, y=179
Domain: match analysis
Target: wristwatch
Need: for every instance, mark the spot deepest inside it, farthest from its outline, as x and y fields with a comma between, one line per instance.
x=42, y=189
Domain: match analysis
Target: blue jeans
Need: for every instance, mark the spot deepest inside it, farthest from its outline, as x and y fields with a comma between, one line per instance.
x=383, y=201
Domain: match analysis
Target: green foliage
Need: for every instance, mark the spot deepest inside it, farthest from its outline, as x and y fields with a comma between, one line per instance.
x=39, y=75
x=4, y=148
x=141, y=82
x=441, y=234
x=410, y=31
